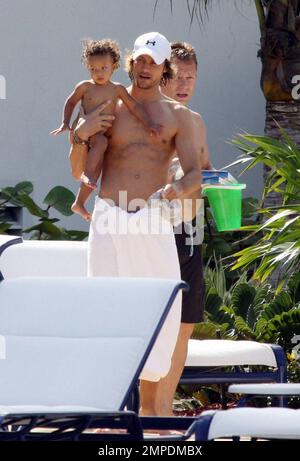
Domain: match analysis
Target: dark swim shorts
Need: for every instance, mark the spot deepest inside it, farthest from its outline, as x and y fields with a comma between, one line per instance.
x=191, y=267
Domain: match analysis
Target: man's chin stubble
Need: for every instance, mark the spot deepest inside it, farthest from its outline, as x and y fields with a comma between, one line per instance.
x=145, y=85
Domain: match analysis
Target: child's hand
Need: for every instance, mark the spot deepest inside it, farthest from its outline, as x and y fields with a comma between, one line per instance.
x=63, y=127
x=155, y=129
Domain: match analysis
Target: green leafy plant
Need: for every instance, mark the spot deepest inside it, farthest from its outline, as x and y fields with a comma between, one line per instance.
x=294, y=377
x=59, y=198
x=278, y=246
x=249, y=311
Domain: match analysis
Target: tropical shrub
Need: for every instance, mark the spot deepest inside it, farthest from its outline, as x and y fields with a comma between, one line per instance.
x=250, y=311
x=277, y=249
x=59, y=198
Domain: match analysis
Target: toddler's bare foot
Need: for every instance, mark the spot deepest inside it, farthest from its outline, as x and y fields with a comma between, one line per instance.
x=87, y=182
x=80, y=209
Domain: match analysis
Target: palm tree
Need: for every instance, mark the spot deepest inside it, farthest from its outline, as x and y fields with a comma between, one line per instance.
x=279, y=24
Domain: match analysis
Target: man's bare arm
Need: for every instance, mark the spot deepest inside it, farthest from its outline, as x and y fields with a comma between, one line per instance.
x=187, y=152
x=94, y=122
x=201, y=139
x=202, y=146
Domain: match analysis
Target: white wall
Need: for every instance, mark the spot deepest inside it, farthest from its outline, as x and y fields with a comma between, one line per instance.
x=40, y=60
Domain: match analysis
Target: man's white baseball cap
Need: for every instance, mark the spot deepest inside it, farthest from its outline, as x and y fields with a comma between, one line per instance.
x=153, y=44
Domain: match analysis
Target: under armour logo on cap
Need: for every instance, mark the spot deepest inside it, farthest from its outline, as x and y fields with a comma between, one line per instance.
x=152, y=44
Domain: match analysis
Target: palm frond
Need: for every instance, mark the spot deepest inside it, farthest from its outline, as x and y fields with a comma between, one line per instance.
x=197, y=9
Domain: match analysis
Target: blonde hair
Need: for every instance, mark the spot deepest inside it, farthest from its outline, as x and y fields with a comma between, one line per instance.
x=184, y=51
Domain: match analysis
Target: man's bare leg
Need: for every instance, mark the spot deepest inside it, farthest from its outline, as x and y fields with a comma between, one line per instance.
x=167, y=385
x=149, y=404
x=148, y=397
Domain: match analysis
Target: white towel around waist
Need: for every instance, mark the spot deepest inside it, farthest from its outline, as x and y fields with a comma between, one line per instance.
x=140, y=244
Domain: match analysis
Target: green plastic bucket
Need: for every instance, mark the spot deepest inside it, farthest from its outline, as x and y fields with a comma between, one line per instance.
x=226, y=205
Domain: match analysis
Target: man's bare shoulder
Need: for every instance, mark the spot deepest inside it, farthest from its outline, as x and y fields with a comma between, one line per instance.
x=197, y=117
x=175, y=106
x=172, y=103
x=198, y=121
x=182, y=113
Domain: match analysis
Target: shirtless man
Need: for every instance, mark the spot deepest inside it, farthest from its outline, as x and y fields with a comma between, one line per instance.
x=181, y=88
x=138, y=163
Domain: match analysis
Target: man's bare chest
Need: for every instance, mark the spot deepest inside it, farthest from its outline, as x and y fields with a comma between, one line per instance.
x=128, y=129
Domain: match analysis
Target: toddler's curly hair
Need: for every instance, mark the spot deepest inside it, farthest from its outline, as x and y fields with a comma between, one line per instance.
x=101, y=48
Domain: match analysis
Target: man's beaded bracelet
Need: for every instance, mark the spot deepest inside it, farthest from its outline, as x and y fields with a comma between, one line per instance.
x=78, y=140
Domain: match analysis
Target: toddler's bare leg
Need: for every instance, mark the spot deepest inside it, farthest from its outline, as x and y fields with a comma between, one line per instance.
x=98, y=144
x=78, y=206
x=77, y=159
x=78, y=155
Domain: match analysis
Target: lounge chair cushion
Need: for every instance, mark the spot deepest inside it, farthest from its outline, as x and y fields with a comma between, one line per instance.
x=221, y=352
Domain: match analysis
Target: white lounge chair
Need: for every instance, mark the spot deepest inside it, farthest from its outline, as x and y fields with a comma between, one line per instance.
x=263, y=423
x=65, y=258
x=72, y=349
x=205, y=355
x=277, y=390
x=5, y=242
x=43, y=258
